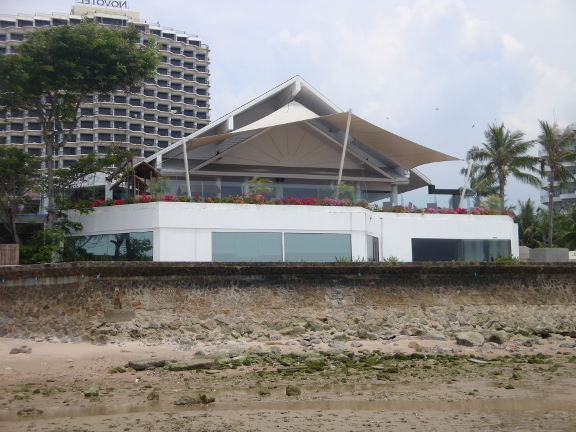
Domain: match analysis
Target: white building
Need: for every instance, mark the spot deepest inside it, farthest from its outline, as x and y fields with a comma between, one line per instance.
x=172, y=105
x=303, y=143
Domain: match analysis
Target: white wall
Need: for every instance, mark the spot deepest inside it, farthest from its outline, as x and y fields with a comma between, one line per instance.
x=183, y=231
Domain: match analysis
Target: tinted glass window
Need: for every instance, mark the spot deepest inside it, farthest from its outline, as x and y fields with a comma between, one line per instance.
x=459, y=250
x=254, y=247
x=113, y=247
x=317, y=247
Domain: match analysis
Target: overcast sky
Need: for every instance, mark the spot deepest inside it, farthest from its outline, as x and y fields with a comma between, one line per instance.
x=426, y=70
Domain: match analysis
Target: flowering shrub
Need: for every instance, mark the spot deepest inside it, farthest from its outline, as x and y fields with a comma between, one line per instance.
x=260, y=199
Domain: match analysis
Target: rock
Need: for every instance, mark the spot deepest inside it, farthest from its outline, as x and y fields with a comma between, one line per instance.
x=471, y=360
x=356, y=344
x=469, y=338
x=337, y=344
x=556, y=337
x=201, y=399
x=153, y=325
x=303, y=355
x=372, y=336
x=413, y=345
x=206, y=399
x=175, y=325
x=293, y=391
x=102, y=340
x=91, y=392
x=362, y=334
x=21, y=350
x=20, y=396
x=153, y=396
x=264, y=392
x=498, y=337
x=198, y=363
x=29, y=412
x=385, y=377
x=209, y=324
x=149, y=363
x=436, y=336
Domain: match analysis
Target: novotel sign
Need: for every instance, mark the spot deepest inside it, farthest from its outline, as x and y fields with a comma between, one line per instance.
x=118, y=4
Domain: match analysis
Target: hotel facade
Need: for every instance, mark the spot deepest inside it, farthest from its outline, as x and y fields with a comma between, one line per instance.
x=173, y=104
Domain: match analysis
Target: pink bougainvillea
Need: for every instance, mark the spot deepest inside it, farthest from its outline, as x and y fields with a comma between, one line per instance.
x=260, y=199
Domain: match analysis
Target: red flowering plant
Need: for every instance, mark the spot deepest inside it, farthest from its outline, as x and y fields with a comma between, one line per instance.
x=260, y=199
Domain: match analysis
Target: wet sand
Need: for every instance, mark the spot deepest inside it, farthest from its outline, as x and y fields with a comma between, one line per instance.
x=508, y=394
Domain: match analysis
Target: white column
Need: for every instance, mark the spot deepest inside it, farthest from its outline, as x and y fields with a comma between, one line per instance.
x=185, y=155
x=278, y=191
x=357, y=191
x=394, y=195
x=108, y=194
x=219, y=186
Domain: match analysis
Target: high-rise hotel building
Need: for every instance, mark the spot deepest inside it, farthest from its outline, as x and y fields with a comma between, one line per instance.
x=173, y=104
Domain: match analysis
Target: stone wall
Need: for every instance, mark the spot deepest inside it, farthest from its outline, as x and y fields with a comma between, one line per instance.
x=182, y=302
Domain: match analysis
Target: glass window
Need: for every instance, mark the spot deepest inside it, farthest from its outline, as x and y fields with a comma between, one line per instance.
x=317, y=247
x=254, y=247
x=459, y=250
x=373, y=248
x=112, y=247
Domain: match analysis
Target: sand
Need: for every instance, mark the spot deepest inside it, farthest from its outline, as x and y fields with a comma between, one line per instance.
x=423, y=395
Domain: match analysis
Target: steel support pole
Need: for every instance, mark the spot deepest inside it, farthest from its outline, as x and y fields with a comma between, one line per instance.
x=185, y=153
x=345, y=145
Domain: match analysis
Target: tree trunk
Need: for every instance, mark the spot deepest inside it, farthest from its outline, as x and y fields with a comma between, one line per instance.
x=551, y=207
x=502, y=182
x=50, y=191
x=15, y=235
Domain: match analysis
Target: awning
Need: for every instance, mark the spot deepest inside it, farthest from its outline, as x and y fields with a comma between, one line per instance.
x=405, y=153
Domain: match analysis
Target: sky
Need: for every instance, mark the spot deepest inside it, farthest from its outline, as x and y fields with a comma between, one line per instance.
x=434, y=72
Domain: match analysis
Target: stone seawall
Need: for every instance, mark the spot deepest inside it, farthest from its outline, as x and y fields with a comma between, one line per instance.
x=182, y=302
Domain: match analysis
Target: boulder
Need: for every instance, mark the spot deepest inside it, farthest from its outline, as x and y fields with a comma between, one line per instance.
x=21, y=350
x=201, y=399
x=149, y=363
x=153, y=396
x=498, y=337
x=91, y=392
x=469, y=338
x=337, y=344
x=293, y=391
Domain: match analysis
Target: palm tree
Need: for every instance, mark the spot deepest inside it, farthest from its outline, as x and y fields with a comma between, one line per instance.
x=558, y=149
x=503, y=154
x=527, y=220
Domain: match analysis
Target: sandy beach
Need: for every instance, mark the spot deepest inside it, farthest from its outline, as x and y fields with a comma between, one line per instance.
x=452, y=388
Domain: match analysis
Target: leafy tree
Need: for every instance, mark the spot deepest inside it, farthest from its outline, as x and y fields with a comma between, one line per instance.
x=17, y=182
x=559, y=148
x=258, y=186
x=504, y=154
x=162, y=186
x=344, y=191
x=58, y=66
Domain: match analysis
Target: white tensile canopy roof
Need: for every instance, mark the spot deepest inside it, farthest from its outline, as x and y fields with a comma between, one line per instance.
x=403, y=152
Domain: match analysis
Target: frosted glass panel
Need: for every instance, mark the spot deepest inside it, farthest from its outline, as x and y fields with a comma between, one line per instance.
x=317, y=247
x=254, y=247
